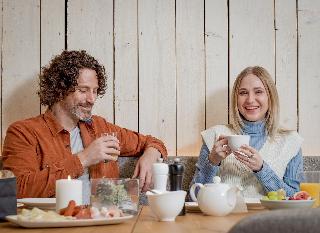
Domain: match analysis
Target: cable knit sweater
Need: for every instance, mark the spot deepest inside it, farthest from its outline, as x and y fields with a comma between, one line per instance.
x=277, y=172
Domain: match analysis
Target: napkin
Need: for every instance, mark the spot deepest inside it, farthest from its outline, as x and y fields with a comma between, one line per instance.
x=241, y=206
x=8, y=199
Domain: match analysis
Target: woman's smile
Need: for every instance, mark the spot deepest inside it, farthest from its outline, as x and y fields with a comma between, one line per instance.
x=252, y=98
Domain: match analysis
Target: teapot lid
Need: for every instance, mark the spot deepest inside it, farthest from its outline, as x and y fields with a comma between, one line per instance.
x=216, y=180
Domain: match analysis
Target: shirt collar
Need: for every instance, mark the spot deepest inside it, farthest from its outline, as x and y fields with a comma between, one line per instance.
x=52, y=122
x=55, y=127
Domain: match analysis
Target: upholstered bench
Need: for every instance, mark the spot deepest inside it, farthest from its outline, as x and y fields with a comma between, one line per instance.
x=127, y=165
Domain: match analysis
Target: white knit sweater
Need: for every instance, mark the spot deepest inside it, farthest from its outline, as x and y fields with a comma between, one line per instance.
x=277, y=153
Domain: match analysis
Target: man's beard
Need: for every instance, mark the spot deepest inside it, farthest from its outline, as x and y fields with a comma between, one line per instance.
x=80, y=114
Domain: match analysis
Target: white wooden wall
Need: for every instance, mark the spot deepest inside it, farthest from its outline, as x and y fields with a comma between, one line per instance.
x=171, y=63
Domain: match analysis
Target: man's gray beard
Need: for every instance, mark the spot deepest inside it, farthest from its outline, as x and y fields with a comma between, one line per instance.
x=74, y=111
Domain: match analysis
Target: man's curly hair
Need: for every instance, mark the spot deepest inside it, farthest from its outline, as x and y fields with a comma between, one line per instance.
x=59, y=78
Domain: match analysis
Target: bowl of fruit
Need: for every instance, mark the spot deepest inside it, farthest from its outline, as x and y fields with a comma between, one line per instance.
x=279, y=200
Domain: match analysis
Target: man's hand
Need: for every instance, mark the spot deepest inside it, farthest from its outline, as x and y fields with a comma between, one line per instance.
x=143, y=168
x=104, y=148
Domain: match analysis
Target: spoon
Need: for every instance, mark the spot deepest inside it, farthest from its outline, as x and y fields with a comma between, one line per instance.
x=155, y=191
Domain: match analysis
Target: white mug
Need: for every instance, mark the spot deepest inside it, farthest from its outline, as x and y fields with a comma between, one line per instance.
x=236, y=141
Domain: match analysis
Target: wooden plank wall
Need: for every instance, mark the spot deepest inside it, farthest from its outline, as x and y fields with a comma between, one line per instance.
x=126, y=64
x=308, y=74
x=157, y=70
x=20, y=60
x=52, y=31
x=171, y=64
x=190, y=74
x=286, y=60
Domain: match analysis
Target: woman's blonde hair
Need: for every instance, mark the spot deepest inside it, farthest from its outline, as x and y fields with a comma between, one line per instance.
x=272, y=115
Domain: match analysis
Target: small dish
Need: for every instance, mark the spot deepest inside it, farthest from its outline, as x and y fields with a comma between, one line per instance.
x=41, y=203
x=252, y=203
x=192, y=206
x=287, y=204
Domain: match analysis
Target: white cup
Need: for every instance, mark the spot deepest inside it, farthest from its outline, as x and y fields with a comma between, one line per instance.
x=236, y=141
x=166, y=206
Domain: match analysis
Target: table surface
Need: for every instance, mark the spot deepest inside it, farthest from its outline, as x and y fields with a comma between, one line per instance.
x=146, y=222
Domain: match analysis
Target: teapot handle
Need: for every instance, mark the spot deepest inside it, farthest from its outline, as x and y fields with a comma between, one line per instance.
x=193, y=189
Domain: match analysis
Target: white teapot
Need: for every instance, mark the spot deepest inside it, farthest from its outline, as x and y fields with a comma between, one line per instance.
x=217, y=199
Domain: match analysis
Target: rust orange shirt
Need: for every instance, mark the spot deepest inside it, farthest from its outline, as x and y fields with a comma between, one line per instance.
x=38, y=152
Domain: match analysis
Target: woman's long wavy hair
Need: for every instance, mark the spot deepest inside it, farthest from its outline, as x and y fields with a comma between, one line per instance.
x=272, y=115
x=59, y=78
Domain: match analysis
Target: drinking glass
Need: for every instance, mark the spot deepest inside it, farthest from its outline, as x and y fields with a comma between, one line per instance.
x=311, y=184
x=122, y=193
x=114, y=134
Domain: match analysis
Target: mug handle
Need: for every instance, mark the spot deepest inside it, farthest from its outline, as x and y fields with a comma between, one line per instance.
x=193, y=189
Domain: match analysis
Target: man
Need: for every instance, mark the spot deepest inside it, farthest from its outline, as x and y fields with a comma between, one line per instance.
x=67, y=139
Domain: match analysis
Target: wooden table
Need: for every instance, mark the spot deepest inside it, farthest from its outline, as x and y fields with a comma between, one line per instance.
x=145, y=222
x=191, y=222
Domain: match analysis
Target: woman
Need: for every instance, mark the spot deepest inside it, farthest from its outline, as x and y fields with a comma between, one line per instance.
x=272, y=160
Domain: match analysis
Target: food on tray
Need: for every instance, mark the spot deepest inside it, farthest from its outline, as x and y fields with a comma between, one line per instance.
x=88, y=212
x=302, y=195
x=37, y=215
x=106, y=213
x=70, y=212
x=280, y=194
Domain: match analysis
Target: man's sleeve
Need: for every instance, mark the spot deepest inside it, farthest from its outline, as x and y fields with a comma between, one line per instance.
x=36, y=175
x=133, y=143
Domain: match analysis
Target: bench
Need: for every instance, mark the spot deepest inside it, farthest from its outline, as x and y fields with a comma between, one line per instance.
x=127, y=165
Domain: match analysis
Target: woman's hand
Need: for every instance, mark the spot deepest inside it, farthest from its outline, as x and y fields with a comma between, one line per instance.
x=220, y=150
x=250, y=157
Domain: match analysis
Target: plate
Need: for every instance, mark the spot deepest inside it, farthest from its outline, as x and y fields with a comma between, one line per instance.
x=41, y=203
x=67, y=223
x=19, y=204
x=252, y=203
x=287, y=204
